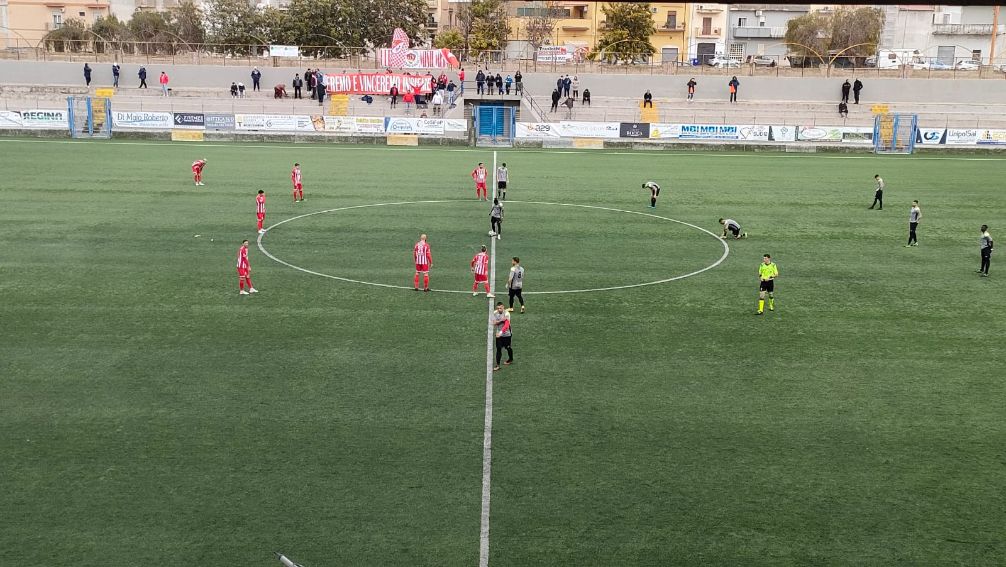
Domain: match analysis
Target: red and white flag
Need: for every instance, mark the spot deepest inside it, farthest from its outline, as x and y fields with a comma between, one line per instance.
x=399, y=47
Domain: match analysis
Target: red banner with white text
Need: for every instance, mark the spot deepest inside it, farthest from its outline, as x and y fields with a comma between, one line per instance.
x=376, y=83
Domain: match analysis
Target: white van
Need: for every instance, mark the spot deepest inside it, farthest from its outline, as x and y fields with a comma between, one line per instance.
x=896, y=58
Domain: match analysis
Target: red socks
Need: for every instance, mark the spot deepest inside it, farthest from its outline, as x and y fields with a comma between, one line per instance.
x=415, y=281
x=426, y=281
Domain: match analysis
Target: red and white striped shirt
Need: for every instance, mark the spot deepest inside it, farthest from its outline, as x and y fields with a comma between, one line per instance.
x=481, y=264
x=295, y=176
x=260, y=204
x=243, y=257
x=479, y=174
x=197, y=165
x=422, y=253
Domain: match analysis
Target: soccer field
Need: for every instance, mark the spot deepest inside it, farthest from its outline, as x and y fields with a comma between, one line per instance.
x=149, y=415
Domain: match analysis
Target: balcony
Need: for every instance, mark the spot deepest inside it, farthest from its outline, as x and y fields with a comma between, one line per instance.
x=708, y=9
x=710, y=34
x=753, y=32
x=965, y=29
x=575, y=26
x=667, y=27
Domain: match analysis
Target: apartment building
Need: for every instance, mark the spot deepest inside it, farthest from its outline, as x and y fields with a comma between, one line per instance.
x=25, y=22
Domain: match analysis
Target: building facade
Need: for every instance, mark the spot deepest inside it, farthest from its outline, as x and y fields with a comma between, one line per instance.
x=760, y=29
x=707, y=30
x=25, y=22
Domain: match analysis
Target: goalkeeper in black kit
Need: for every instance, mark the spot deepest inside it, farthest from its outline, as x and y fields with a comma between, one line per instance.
x=654, y=192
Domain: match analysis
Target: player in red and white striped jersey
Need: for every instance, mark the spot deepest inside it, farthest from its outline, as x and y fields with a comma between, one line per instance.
x=260, y=210
x=197, y=171
x=424, y=258
x=479, y=175
x=298, y=183
x=244, y=270
x=480, y=267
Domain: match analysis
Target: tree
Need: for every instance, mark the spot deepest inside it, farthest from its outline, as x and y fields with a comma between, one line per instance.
x=330, y=23
x=384, y=16
x=485, y=25
x=113, y=31
x=152, y=31
x=187, y=22
x=627, y=32
x=71, y=36
x=540, y=26
x=818, y=36
x=234, y=25
x=449, y=38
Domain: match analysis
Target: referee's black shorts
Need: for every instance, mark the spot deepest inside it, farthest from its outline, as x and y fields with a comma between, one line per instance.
x=767, y=285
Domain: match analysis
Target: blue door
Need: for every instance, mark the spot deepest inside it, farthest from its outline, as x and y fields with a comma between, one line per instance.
x=491, y=120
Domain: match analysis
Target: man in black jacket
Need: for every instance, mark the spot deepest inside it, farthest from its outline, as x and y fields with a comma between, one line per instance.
x=846, y=87
x=142, y=74
x=856, y=87
x=298, y=83
x=256, y=76
x=555, y=100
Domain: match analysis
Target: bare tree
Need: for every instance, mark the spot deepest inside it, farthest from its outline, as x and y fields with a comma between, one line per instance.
x=539, y=27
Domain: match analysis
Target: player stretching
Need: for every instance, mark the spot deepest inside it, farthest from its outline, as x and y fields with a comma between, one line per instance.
x=767, y=273
x=502, y=176
x=423, y=257
x=480, y=267
x=244, y=270
x=731, y=226
x=479, y=175
x=654, y=192
x=260, y=210
x=197, y=171
x=298, y=183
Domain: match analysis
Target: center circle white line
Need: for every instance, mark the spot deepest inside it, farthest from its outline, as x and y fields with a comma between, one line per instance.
x=726, y=247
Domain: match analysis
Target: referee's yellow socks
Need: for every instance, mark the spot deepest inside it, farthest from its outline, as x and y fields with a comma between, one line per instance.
x=771, y=304
x=761, y=305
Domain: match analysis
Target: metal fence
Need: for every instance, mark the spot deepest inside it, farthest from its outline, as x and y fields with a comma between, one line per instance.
x=179, y=52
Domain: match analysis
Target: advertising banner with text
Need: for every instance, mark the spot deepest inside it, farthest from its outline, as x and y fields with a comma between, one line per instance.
x=638, y=130
x=709, y=132
x=755, y=133
x=665, y=131
x=402, y=125
x=930, y=136
x=538, y=130
x=962, y=136
x=819, y=134
x=376, y=83
x=279, y=122
x=991, y=137
x=589, y=129
x=147, y=120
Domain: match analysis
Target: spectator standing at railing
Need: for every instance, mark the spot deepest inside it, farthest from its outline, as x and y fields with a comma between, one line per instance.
x=567, y=85
x=461, y=79
x=142, y=74
x=309, y=81
x=490, y=83
x=647, y=99
x=555, y=99
x=856, y=87
x=576, y=87
x=508, y=82
x=115, y=75
x=87, y=74
x=480, y=80
x=846, y=87
x=451, y=87
x=733, y=85
x=164, y=83
x=393, y=93
x=586, y=97
x=499, y=84
x=298, y=84
x=256, y=76
x=518, y=82
x=320, y=78
x=691, y=89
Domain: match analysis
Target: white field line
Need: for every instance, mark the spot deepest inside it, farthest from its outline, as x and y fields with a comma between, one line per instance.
x=487, y=431
x=726, y=247
x=663, y=153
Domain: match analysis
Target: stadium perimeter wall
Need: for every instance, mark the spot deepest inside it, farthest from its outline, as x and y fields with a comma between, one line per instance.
x=782, y=89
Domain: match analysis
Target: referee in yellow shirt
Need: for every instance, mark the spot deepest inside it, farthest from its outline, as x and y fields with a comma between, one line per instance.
x=767, y=273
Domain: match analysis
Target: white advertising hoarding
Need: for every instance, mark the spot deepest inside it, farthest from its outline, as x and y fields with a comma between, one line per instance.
x=144, y=120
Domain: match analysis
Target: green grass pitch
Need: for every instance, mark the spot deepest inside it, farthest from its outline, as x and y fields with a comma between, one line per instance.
x=151, y=416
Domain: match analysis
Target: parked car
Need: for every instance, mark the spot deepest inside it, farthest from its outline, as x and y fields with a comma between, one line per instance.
x=967, y=65
x=762, y=61
x=871, y=61
x=932, y=66
x=721, y=61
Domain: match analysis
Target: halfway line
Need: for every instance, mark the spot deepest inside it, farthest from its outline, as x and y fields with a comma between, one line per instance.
x=487, y=433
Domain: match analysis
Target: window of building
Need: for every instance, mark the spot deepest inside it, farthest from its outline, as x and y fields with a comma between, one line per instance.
x=672, y=19
x=741, y=22
x=57, y=20
x=707, y=26
x=976, y=54
x=81, y=14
